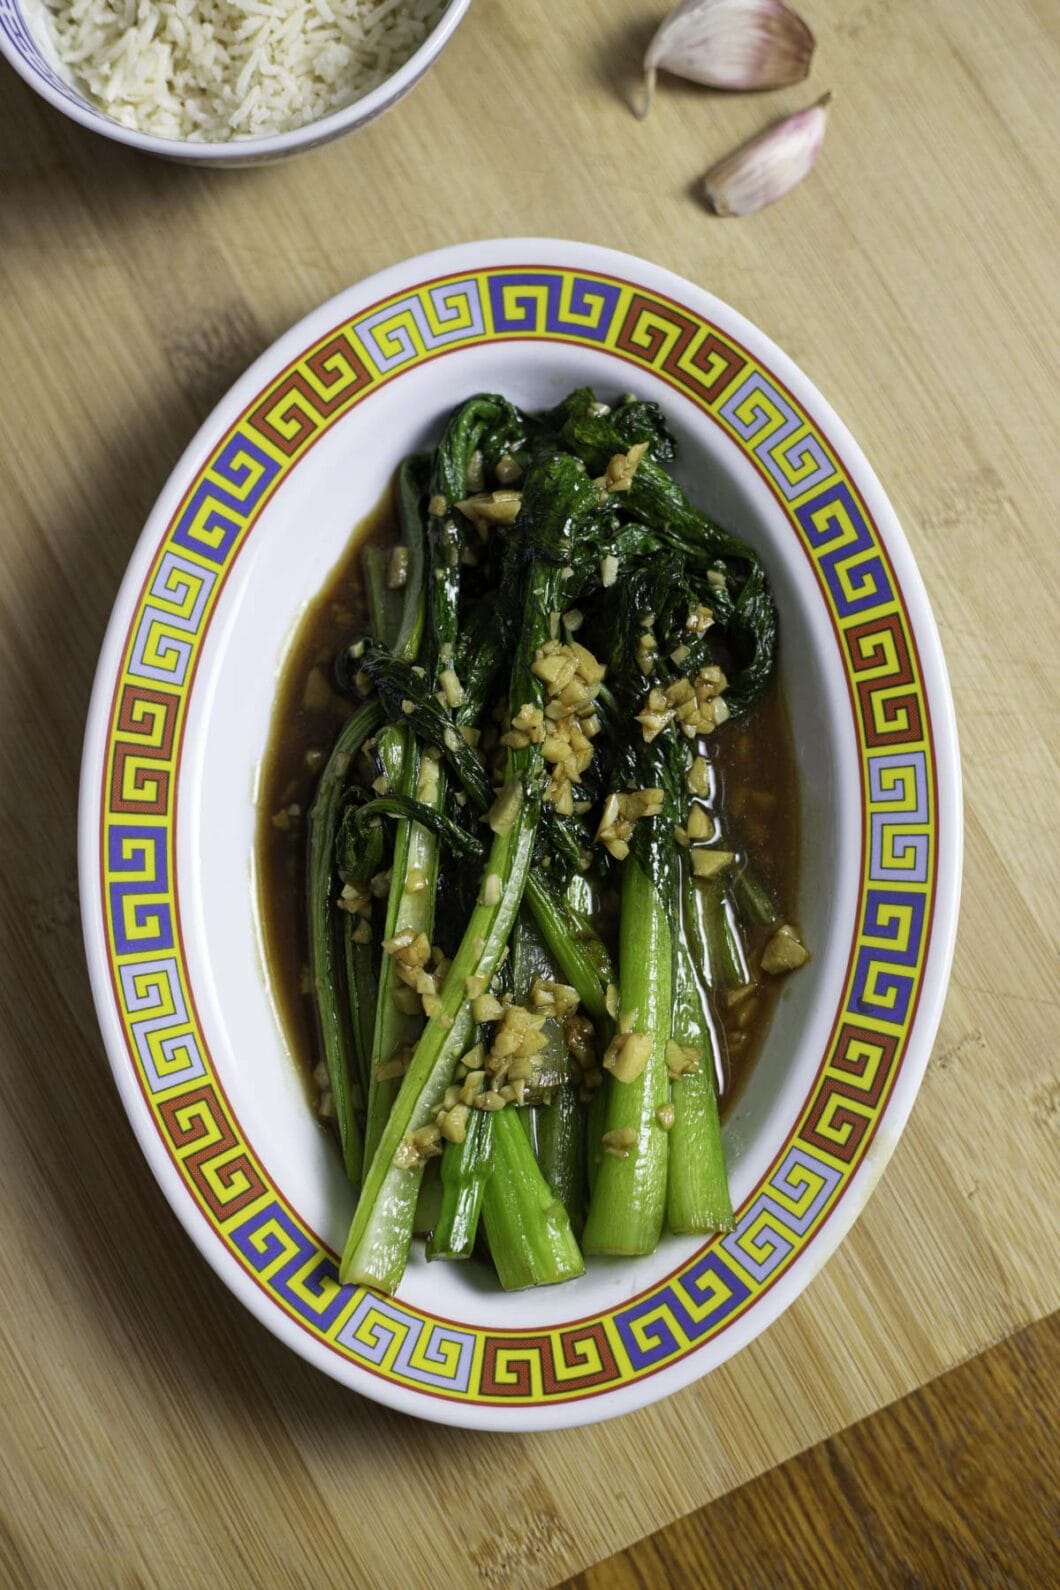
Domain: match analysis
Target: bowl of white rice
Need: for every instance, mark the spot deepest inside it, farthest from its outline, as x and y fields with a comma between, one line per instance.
x=224, y=82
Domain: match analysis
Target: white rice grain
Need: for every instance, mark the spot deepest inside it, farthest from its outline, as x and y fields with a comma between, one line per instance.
x=212, y=70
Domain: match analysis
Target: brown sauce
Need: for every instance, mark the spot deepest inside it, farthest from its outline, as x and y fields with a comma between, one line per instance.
x=758, y=798
x=757, y=795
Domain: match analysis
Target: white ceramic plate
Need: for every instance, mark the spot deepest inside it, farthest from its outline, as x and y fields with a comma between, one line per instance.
x=253, y=518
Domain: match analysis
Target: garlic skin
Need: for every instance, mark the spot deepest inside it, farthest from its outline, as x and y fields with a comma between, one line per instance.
x=730, y=44
x=768, y=165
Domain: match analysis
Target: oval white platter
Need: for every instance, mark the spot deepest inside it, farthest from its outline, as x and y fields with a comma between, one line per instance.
x=256, y=513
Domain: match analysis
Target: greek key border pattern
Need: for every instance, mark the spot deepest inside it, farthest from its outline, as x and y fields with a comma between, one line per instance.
x=387, y=1336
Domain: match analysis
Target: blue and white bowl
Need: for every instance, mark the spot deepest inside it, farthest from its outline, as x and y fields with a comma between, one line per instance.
x=24, y=42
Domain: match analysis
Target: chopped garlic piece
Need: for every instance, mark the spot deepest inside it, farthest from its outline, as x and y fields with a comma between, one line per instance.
x=627, y=1055
x=708, y=863
x=785, y=952
x=452, y=689
x=397, y=568
x=491, y=889
x=619, y=1142
x=681, y=1058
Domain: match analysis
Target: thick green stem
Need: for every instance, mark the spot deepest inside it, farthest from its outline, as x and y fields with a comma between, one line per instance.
x=385, y=605
x=628, y=1199
x=360, y=989
x=529, y=1233
x=428, y=1199
x=326, y=960
x=555, y=1128
x=466, y=1168
x=560, y=1151
x=753, y=900
x=415, y=856
x=399, y=622
x=594, y=1131
x=697, y=1194
x=711, y=919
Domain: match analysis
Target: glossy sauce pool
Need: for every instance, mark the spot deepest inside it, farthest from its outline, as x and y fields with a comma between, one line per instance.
x=757, y=793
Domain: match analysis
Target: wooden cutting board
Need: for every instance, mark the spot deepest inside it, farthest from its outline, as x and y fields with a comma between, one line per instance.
x=150, y=1431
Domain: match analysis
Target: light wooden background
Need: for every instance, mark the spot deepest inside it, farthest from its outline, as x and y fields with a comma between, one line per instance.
x=150, y=1431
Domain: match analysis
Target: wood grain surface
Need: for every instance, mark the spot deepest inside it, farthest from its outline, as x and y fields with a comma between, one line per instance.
x=953, y=1485
x=150, y=1431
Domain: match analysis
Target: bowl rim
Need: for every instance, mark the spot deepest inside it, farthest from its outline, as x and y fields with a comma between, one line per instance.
x=528, y=253
x=243, y=150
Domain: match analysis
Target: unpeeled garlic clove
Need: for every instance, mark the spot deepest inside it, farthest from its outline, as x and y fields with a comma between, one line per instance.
x=768, y=165
x=732, y=44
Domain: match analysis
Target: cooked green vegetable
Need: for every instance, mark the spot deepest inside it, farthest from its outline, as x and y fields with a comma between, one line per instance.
x=523, y=793
x=341, y=1027
x=697, y=1193
x=466, y=1168
x=628, y=1202
x=529, y=1232
x=398, y=608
